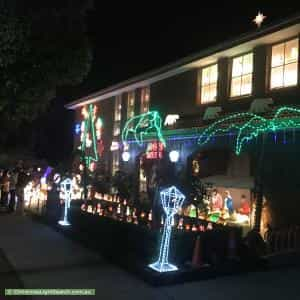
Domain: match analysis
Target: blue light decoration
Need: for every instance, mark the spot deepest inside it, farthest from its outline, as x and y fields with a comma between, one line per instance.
x=77, y=128
x=47, y=172
x=66, y=188
x=172, y=200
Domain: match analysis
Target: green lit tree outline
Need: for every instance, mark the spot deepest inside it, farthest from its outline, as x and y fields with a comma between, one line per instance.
x=89, y=125
x=255, y=126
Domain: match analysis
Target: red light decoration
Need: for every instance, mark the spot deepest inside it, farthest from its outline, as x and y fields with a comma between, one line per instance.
x=155, y=150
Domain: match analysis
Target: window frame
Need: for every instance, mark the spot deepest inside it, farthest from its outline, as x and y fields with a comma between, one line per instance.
x=269, y=64
x=231, y=77
x=199, y=85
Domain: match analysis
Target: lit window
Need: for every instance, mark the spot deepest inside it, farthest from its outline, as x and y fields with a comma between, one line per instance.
x=145, y=100
x=209, y=84
x=241, y=81
x=130, y=105
x=117, y=121
x=284, y=64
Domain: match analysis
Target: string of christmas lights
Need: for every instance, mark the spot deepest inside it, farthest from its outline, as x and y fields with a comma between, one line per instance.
x=93, y=125
x=252, y=128
x=172, y=200
x=143, y=125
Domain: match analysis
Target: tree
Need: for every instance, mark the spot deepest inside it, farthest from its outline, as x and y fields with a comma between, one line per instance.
x=44, y=47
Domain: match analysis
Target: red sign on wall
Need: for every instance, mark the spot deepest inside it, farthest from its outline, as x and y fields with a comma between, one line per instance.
x=154, y=150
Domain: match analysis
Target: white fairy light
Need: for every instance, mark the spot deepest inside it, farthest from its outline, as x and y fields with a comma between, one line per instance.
x=174, y=155
x=125, y=156
x=171, y=120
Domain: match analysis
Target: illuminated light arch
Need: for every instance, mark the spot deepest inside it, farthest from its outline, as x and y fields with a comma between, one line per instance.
x=254, y=126
x=142, y=125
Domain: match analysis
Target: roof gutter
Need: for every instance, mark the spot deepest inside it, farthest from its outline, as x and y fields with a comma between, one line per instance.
x=179, y=66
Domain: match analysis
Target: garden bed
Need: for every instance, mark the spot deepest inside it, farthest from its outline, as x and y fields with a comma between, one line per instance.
x=133, y=246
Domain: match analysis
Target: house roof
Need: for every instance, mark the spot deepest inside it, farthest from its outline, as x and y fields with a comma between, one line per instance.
x=267, y=34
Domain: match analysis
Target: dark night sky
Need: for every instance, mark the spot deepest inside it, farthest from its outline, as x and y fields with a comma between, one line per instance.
x=129, y=40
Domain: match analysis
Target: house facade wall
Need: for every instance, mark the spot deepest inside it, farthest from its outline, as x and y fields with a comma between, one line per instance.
x=179, y=95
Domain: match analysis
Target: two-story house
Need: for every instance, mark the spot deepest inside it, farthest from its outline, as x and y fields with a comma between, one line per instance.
x=208, y=114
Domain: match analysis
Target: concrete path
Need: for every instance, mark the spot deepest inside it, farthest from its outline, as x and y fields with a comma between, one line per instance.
x=44, y=258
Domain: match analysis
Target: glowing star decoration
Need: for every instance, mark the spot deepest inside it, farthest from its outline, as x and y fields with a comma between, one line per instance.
x=91, y=135
x=171, y=120
x=174, y=155
x=254, y=126
x=259, y=19
x=172, y=200
x=142, y=125
x=66, y=188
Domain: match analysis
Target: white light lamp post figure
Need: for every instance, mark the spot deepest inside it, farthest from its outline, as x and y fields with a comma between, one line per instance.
x=66, y=187
x=171, y=199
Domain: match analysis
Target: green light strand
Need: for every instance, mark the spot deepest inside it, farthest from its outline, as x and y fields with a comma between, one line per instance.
x=252, y=128
x=88, y=124
x=143, y=125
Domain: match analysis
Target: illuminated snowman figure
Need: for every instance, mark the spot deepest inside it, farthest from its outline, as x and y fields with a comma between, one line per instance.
x=171, y=199
x=66, y=188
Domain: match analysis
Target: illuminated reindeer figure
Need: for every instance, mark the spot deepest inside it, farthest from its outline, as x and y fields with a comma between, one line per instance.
x=143, y=125
x=172, y=200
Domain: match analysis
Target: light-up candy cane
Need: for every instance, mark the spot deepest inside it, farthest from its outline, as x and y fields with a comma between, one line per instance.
x=66, y=187
x=171, y=199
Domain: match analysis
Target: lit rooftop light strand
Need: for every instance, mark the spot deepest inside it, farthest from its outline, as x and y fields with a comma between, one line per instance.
x=255, y=126
x=172, y=200
x=142, y=125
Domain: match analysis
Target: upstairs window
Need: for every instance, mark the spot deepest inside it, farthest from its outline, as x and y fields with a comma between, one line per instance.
x=117, y=115
x=209, y=77
x=284, y=64
x=241, y=79
x=145, y=99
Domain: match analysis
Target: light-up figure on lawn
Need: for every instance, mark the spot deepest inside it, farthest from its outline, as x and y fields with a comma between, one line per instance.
x=171, y=199
x=66, y=188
